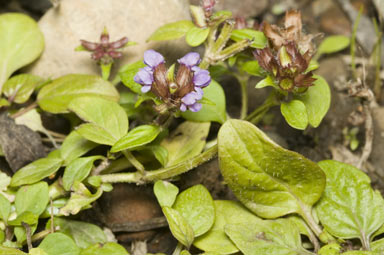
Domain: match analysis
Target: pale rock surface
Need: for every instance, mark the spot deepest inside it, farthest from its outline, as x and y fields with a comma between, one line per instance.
x=63, y=27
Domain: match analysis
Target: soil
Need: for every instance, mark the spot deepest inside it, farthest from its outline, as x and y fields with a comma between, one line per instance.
x=131, y=203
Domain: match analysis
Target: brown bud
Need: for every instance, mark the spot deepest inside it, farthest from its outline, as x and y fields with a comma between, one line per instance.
x=160, y=85
x=184, y=81
x=265, y=59
x=89, y=45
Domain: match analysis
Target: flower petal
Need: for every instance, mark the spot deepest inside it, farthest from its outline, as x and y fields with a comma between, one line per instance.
x=145, y=77
x=153, y=58
x=190, y=60
x=146, y=88
x=201, y=78
x=190, y=98
x=199, y=93
x=195, y=107
x=183, y=107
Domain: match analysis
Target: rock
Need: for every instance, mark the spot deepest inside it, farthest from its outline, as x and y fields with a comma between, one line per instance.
x=334, y=21
x=245, y=8
x=377, y=158
x=36, y=5
x=63, y=27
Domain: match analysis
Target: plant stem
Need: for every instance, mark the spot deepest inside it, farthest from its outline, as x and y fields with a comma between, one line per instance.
x=178, y=249
x=353, y=42
x=106, y=71
x=243, y=80
x=135, y=177
x=365, y=242
x=134, y=161
x=24, y=110
x=307, y=216
x=260, y=111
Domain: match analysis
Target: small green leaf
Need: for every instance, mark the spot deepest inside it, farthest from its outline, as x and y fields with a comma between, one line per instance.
x=378, y=246
x=186, y=141
x=295, y=113
x=196, y=206
x=37, y=251
x=84, y=234
x=317, y=100
x=330, y=249
x=5, y=180
x=160, y=153
x=196, y=36
x=78, y=170
x=268, y=179
x=75, y=146
x=107, y=115
x=5, y=208
x=26, y=217
x=266, y=82
x=32, y=198
x=105, y=249
x=165, y=193
x=36, y=171
x=179, y=226
x=80, y=198
x=128, y=72
x=349, y=207
x=258, y=37
x=215, y=93
x=59, y=244
x=20, y=87
x=10, y=251
x=252, y=68
x=220, y=16
x=226, y=212
x=313, y=65
x=171, y=31
x=333, y=44
x=266, y=237
x=137, y=137
x=24, y=43
x=56, y=96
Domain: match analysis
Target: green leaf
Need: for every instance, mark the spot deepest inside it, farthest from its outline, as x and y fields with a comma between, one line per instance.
x=349, y=207
x=160, y=153
x=20, y=87
x=36, y=171
x=196, y=36
x=78, y=170
x=56, y=96
x=215, y=93
x=5, y=208
x=186, y=141
x=258, y=37
x=26, y=217
x=333, y=44
x=80, y=198
x=179, y=226
x=10, y=251
x=128, y=72
x=268, y=179
x=23, y=44
x=75, y=146
x=330, y=249
x=37, y=251
x=295, y=113
x=266, y=82
x=5, y=180
x=267, y=237
x=317, y=100
x=84, y=234
x=378, y=246
x=59, y=244
x=107, y=115
x=252, y=68
x=196, y=206
x=226, y=212
x=165, y=193
x=136, y=138
x=171, y=31
x=105, y=249
x=32, y=198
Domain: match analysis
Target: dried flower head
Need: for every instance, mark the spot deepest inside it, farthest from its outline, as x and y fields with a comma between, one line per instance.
x=105, y=51
x=290, y=53
x=184, y=91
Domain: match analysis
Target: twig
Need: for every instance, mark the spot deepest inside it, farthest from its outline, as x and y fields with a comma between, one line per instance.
x=101, y=167
x=28, y=234
x=24, y=110
x=368, y=136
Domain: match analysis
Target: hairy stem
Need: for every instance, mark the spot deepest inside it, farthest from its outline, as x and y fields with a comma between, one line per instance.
x=134, y=161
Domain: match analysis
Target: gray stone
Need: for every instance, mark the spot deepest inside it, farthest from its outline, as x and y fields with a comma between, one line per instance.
x=63, y=27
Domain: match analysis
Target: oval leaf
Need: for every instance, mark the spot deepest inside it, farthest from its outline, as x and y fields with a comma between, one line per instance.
x=56, y=96
x=127, y=74
x=266, y=237
x=258, y=37
x=105, y=249
x=217, y=112
x=10, y=251
x=5, y=208
x=270, y=180
x=75, y=146
x=24, y=43
x=196, y=36
x=186, y=141
x=137, y=137
x=317, y=100
x=171, y=31
x=105, y=114
x=59, y=244
x=196, y=206
x=226, y=212
x=78, y=170
x=36, y=171
x=179, y=226
x=32, y=198
x=349, y=207
x=165, y=193
x=20, y=87
x=295, y=113
x=333, y=44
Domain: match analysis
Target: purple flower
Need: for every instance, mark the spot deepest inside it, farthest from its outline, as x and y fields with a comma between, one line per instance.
x=201, y=77
x=190, y=60
x=189, y=101
x=153, y=58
